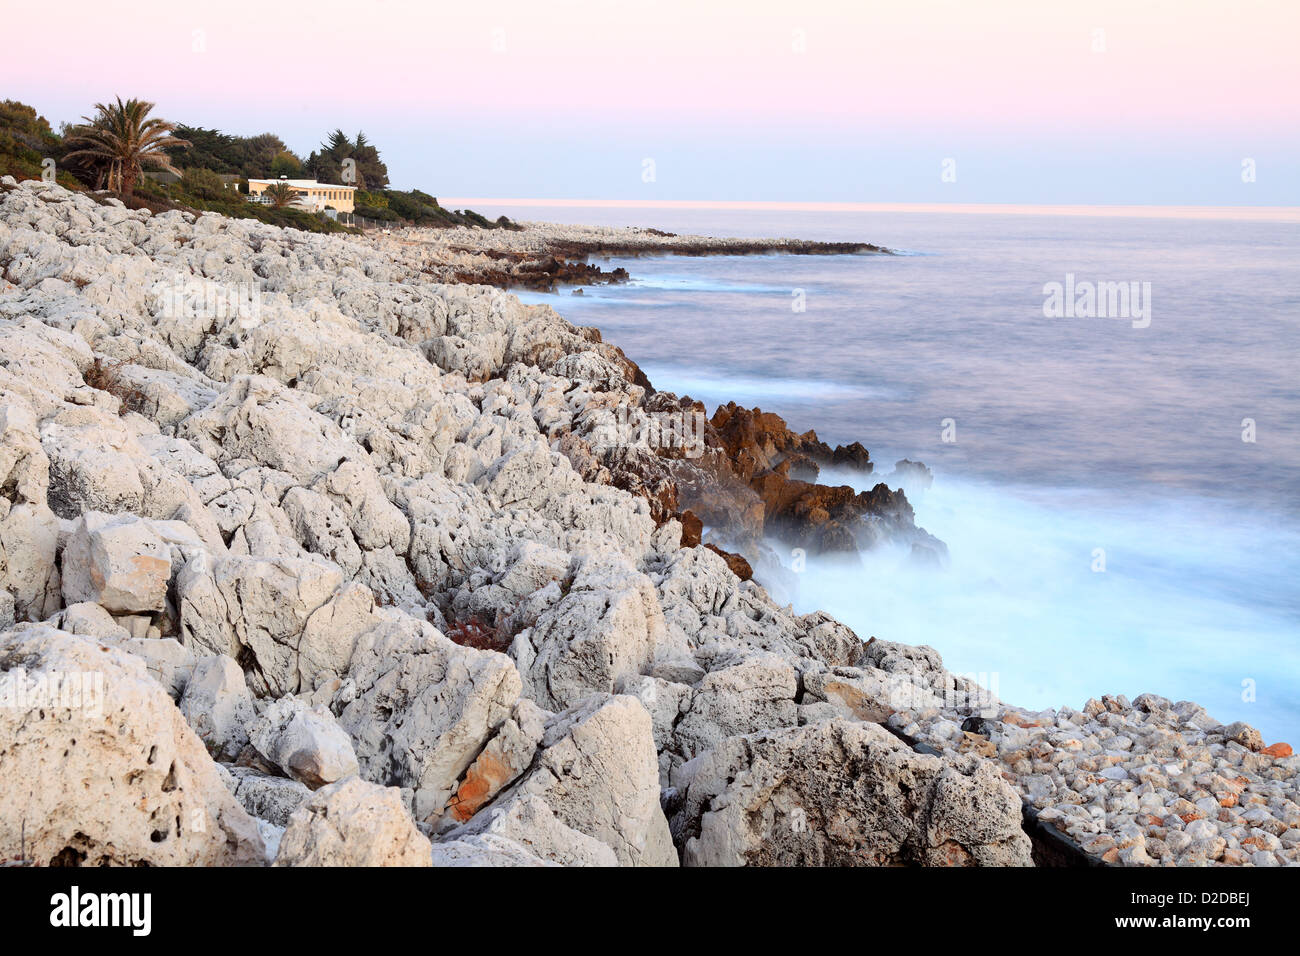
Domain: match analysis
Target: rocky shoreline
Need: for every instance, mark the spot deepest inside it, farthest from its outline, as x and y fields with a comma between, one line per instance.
x=313, y=554
x=544, y=256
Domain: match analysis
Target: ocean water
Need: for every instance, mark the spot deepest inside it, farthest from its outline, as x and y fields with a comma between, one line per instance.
x=1120, y=496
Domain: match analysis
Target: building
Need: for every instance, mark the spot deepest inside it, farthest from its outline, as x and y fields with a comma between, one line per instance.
x=309, y=194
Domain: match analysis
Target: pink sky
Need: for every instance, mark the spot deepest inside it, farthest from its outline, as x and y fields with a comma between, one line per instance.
x=1206, y=69
x=1004, y=63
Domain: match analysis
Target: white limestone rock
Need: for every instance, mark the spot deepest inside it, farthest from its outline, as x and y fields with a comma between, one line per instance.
x=273, y=799
x=598, y=773
x=420, y=708
x=842, y=793
x=254, y=609
x=353, y=823
x=218, y=706
x=134, y=784
x=118, y=562
x=306, y=743
x=528, y=821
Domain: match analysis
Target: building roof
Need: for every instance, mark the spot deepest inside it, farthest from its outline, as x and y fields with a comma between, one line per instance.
x=302, y=183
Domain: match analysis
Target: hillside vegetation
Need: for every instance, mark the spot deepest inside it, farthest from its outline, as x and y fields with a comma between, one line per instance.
x=31, y=149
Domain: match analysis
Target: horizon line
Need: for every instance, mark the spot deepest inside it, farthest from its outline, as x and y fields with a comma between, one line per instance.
x=1253, y=213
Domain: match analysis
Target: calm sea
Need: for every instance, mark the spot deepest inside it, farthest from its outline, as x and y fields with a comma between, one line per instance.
x=1120, y=496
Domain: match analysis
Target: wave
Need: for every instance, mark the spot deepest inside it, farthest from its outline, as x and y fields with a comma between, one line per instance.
x=747, y=390
x=1059, y=598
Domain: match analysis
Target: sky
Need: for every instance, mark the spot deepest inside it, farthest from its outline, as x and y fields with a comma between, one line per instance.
x=1193, y=102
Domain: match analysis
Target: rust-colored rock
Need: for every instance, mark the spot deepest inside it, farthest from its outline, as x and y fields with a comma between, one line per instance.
x=739, y=566
x=1278, y=750
x=482, y=782
x=692, y=529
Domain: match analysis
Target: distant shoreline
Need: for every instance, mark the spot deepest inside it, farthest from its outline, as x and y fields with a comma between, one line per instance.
x=1283, y=214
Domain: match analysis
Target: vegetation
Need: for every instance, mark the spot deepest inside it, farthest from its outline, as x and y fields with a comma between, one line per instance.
x=474, y=633
x=26, y=142
x=108, y=378
x=421, y=209
x=280, y=195
x=251, y=157
x=115, y=149
x=366, y=170
x=119, y=141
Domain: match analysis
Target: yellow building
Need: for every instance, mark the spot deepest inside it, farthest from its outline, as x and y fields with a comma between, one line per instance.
x=309, y=194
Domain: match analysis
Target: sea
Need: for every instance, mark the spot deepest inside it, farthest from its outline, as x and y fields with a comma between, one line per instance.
x=1116, y=474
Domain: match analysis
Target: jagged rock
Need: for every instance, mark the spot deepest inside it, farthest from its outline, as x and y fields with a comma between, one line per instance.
x=866, y=694
x=598, y=773
x=754, y=693
x=28, y=529
x=353, y=823
x=374, y=454
x=528, y=821
x=486, y=849
x=273, y=799
x=218, y=706
x=843, y=794
x=608, y=626
x=911, y=475
x=134, y=785
x=254, y=610
x=421, y=708
x=504, y=758
x=118, y=562
x=306, y=743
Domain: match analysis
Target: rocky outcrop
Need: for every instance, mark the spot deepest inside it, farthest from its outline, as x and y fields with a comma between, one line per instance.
x=843, y=793
x=529, y=821
x=306, y=744
x=546, y=255
x=353, y=823
x=134, y=785
x=369, y=555
x=596, y=769
x=218, y=706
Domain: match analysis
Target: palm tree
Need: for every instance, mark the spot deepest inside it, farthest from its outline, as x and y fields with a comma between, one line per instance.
x=280, y=194
x=120, y=140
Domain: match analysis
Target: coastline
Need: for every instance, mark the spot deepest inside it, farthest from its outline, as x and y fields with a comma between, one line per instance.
x=716, y=666
x=543, y=256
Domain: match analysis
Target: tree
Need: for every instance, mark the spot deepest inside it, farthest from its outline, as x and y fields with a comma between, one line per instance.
x=121, y=140
x=286, y=164
x=280, y=194
x=328, y=163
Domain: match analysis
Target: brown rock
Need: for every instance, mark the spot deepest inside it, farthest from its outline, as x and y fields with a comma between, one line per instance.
x=739, y=566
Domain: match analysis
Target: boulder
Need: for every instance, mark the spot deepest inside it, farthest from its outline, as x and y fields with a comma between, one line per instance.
x=754, y=693
x=306, y=743
x=505, y=757
x=273, y=799
x=599, y=774
x=118, y=562
x=420, y=708
x=531, y=823
x=218, y=706
x=254, y=610
x=486, y=849
x=607, y=627
x=841, y=793
x=353, y=823
x=134, y=785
